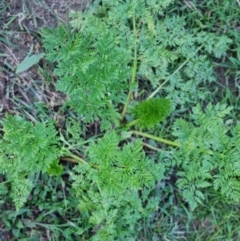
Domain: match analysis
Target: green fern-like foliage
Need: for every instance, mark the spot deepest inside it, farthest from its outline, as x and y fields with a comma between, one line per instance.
x=150, y=112
x=92, y=71
x=208, y=156
x=98, y=59
x=25, y=150
x=114, y=186
x=94, y=57
x=94, y=60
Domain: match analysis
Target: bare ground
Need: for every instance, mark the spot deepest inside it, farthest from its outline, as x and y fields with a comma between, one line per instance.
x=20, y=22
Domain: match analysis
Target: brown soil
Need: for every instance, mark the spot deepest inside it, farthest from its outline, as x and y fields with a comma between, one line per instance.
x=20, y=23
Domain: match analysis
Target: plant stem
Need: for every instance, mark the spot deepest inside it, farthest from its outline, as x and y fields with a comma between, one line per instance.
x=134, y=71
x=66, y=142
x=76, y=158
x=151, y=147
x=156, y=138
x=68, y=159
x=131, y=123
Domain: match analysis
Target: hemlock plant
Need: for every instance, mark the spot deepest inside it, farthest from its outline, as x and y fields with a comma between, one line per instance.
x=102, y=61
